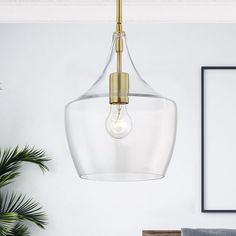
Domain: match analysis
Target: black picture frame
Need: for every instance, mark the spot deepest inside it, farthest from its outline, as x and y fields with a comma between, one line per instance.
x=203, y=72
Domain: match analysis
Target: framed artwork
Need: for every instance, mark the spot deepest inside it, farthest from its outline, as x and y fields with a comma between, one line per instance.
x=218, y=139
x=161, y=233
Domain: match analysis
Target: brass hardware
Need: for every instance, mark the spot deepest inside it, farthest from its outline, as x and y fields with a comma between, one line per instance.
x=119, y=45
x=119, y=81
x=119, y=50
x=118, y=16
x=119, y=40
x=119, y=88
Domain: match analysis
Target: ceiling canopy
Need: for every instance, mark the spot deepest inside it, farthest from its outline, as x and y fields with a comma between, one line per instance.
x=111, y=2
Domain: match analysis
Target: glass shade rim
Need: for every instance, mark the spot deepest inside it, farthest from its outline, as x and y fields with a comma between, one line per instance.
x=122, y=177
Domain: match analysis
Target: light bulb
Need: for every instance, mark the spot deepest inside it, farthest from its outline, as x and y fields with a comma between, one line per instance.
x=118, y=122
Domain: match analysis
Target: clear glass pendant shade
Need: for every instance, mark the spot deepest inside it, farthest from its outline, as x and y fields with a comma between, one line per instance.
x=124, y=142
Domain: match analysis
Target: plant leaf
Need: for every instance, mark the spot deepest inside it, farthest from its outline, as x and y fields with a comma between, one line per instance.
x=26, y=209
x=20, y=230
x=11, y=160
x=7, y=223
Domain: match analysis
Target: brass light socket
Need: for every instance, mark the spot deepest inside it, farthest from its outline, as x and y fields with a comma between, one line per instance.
x=119, y=88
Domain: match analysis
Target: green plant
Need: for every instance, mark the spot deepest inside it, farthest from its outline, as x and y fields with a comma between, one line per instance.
x=15, y=209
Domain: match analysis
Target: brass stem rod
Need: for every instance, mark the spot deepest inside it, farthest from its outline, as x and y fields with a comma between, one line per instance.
x=119, y=50
x=119, y=41
x=119, y=63
x=118, y=16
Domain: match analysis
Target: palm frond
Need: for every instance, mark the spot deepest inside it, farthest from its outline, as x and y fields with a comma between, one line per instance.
x=11, y=160
x=26, y=209
x=20, y=230
x=7, y=223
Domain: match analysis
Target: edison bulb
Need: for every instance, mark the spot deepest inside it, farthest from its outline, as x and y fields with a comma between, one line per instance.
x=118, y=122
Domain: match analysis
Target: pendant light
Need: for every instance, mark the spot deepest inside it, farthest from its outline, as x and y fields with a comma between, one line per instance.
x=121, y=129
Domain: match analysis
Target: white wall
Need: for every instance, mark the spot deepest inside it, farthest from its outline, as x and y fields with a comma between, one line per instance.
x=44, y=66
